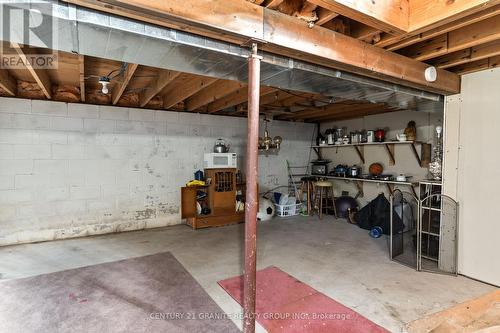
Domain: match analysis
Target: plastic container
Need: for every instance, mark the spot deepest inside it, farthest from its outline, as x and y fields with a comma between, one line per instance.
x=288, y=210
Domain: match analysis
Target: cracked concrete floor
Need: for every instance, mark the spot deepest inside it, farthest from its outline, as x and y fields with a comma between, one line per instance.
x=332, y=256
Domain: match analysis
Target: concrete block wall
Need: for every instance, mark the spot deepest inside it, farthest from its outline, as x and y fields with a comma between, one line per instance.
x=70, y=170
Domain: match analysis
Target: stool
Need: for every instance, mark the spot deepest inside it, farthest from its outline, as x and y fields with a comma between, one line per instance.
x=307, y=187
x=322, y=194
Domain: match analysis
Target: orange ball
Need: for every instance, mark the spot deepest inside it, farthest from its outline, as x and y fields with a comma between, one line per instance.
x=376, y=169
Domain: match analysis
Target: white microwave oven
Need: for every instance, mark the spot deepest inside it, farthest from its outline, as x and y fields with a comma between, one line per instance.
x=219, y=160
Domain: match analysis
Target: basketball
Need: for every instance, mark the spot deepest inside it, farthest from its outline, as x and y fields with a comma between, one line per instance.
x=376, y=169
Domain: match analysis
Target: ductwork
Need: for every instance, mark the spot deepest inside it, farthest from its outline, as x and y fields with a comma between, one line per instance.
x=98, y=34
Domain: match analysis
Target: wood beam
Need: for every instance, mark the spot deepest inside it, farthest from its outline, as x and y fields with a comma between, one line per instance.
x=121, y=86
x=324, y=15
x=40, y=75
x=393, y=43
x=432, y=13
x=164, y=78
x=476, y=53
x=353, y=112
x=237, y=97
x=215, y=91
x=472, y=35
x=282, y=34
x=476, y=66
x=81, y=70
x=342, y=110
x=391, y=16
x=7, y=82
x=177, y=94
x=272, y=4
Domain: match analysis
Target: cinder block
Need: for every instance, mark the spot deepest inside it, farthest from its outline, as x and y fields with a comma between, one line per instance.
x=7, y=182
x=177, y=129
x=6, y=120
x=6, y=151
x=15, y=105
x=69, y=152
x=7, y=213
x=15, y=196
x=115, y=190
x=189, y=118
x=113, y=112
x=66, y=124
x=83, y=110
x=96, y=152
x=26, y=121
x=167, y=116
x=49, y=108
x=110, y=139
x=32, y=151
x=41, y=137
x=69, y=207
x=82, y=138
x=36, y=210
x=85, y=192
x=105, y=177
x=99, y=125
x=52, y=194
x=16, y=167
x=107, y=204
x=46, y=167
x=141, y=114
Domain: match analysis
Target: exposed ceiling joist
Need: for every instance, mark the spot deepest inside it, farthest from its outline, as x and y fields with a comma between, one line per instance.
x=393, y=43
x=475, y=66
x=282, y=34
x=472, y=35
x=272, y=3
x=432, y=13
x=164, y=78
x=346, y=111
x=212, y=93
x=476, y=53
x=237, y=97
x=121, y=86
x=179, y=93
x=391, y=16
x=81, y=75
x=324, y=15
x=8, y=82
x=39, y=75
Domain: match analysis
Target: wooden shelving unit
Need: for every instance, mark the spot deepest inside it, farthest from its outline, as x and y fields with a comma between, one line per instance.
x=389, y=148
x=389, y=183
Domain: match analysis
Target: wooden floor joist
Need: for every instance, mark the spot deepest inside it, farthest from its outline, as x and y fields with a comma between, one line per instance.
x=215, y=91
x=7, y=82
x=81, y=75
x=39, y=75
x=121, y=86
x=178, y=94
x=164, y=78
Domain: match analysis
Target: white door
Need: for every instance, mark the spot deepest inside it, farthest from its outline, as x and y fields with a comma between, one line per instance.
x=472, y=172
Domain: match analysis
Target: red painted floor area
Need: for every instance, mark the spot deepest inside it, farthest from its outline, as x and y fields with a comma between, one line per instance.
x=285, y=304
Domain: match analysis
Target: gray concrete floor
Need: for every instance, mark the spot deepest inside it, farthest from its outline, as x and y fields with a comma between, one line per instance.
x=332, y=256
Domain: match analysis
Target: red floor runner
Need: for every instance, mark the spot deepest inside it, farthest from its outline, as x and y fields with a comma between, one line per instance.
x=285, y=304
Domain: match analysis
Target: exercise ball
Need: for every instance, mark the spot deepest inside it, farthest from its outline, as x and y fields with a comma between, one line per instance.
x=266, y=209
x=343, y=204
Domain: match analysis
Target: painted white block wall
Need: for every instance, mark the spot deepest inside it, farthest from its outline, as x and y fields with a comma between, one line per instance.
x=405, y=160
x=69, y=170
x=472, y=174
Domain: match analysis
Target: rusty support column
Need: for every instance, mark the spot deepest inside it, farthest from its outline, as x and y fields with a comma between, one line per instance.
x=251, y=206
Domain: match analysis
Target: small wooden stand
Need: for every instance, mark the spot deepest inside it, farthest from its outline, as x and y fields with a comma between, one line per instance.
x=221, y=199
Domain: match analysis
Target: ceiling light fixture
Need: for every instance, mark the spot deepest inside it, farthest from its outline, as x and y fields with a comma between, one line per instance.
x=104, y=80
